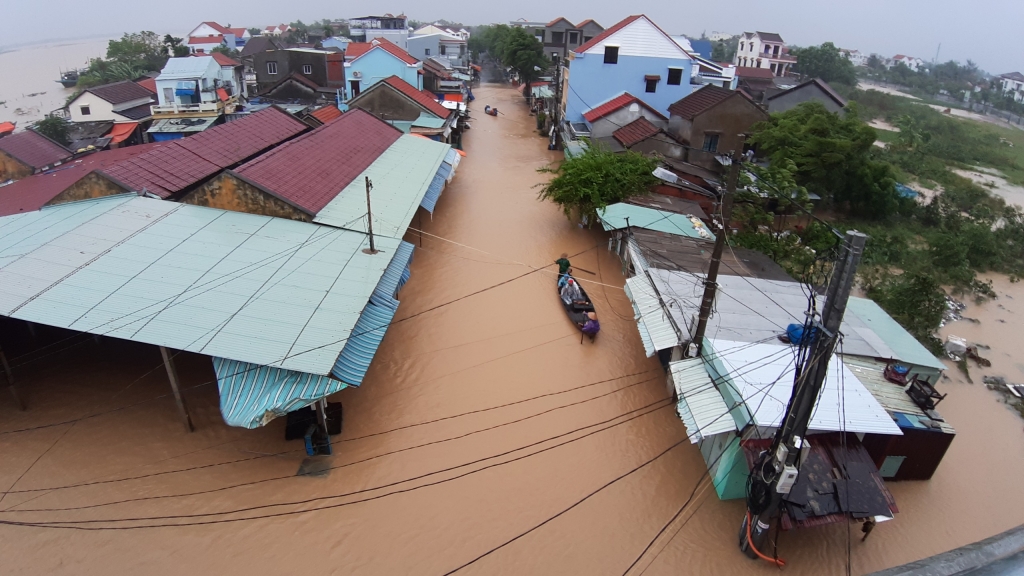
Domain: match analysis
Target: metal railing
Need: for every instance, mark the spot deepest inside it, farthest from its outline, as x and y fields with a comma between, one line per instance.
x=178, y=108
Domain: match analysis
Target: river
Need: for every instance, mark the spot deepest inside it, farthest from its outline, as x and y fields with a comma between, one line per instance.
x=30, y=89
x=485, y=436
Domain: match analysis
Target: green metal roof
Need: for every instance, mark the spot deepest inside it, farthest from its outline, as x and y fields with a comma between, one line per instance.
x=906, y=347
x=615, y=217
x=400, y=177
x=429, y=121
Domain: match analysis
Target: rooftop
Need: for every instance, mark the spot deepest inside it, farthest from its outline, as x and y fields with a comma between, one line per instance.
x=622, y=215
x=426, y=100
x=173, y=167
x=616, y=103
x=701, y=100
x=327, y=113
x=769, y=37
x=33, y=149
x=224, y=59
x=820, y=84
x=750, y=72
x=185, y=68
x=239, y=286
x=636, y=131
x=312, y=170
x=608, y=32
x=356, y=49
x=121, y=92
x=672, y=252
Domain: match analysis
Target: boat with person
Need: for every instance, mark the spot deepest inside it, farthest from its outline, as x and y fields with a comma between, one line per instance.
x=578, y=305
x=69, y=79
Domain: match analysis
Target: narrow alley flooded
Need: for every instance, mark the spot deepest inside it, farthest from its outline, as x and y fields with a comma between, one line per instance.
x=486, y=438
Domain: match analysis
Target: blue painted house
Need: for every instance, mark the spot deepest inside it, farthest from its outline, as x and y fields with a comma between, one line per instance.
x=634, y=56
x=367, y=63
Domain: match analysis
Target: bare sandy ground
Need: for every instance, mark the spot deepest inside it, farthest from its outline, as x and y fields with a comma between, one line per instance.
x=995, y=183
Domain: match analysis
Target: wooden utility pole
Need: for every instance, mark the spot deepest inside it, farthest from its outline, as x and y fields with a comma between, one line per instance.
x=782, y=459
x=172, y=375
x=711, y=282
x=369, y=217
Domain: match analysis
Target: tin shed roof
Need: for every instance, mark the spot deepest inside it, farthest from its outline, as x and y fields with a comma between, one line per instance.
x=312, y=170
x=623, y=215
x=245, y=287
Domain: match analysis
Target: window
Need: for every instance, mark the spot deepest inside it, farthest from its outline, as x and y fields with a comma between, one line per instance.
x=444, y=49
x=557, y=37
x=574, y=38
x=675, y=76
x=710, y=143
x=85, y=110
x=540, y=36
x=307, y=69
x=611, y=54
x=271, y=67
x=741, y=46
x=652, y=84
x=587, y=39
x=426, y=51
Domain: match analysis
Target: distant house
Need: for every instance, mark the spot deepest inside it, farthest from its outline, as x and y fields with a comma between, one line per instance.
x=279, y=30
x=209, y=35
x=392, y=28
x=715, y=120
x=915, y=64
x=763, y=50
x=856, y=57
x=449, y=44
x=719, y=36
x=124, y=101
x=197, y=88
x=1012, y=85
x=367, y=63
x=323, y=68
x=635, y=56
x=411, y=110
x=814, y=90
x=29, y=152
x=560, y=36
x=755, y=81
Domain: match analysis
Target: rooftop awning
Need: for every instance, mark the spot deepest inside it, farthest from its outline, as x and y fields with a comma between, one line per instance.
x=700, y=406
x=436, y=187
x=121, y=132
x=252, y=395
x=656, y=329
x=615, y=217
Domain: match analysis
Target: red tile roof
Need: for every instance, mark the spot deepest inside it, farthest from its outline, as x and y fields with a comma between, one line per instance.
x=327, y=113
x=636, y=131
x=699, y=101
x=750, y=72
x=34, y=192
x=206, y=40
x=312, y=170
x=121, y=92
x=224, y=59
x=557, y=20
x=179, y=164
x=33, y=149
x=217, y=27
x=600, y=37
x=148, y=84
x=621, y=101
x=357, y=49
x=425, y=99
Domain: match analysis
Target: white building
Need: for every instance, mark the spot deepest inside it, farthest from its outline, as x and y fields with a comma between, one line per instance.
x=279, y=30
x=915, y=64
x=856, y=57
x=198, y=85
x=209, y=35
x=763, y=50
x=1013, y=85
x=123, y=101
x=392, y=28
x=719, y=36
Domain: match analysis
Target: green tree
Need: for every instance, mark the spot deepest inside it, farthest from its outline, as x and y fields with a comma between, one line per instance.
x=825, y=62
x=53, y=128
x=597, y=178
x=140, y=49
x=725, y=50
x=175, y=46
x=255, y=31
x=875, y=63
x=524, y=54
x=833, y=156
x=914, y=299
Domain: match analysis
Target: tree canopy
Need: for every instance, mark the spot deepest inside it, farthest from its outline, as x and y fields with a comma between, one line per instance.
x=833, y=156
x=512, y=47
x=597, y=178
x=53, y=128
x=131, y=56
x=825, y=62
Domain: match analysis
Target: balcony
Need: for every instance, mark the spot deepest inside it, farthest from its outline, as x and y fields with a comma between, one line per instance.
x=200, y=109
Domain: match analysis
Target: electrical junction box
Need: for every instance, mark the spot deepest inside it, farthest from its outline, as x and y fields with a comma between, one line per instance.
x=786, y=479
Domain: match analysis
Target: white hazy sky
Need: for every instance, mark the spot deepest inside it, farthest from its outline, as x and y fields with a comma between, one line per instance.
x=986, y=31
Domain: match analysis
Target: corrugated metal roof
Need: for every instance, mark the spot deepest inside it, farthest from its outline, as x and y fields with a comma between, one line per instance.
x=762, y=377
x=700, y=405
x=401, y=176
x=651, y=320
x=891, y=396
x=186, y=67
x=369, y=331
x=181, y=125
x=312, y=170
x=614, y=218
x=252, y=395
x=868, y=314
x=240, y=286
x=445, y=173
x=395, y=276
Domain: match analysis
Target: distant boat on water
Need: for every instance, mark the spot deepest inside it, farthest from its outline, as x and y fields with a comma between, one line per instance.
x=69, y=79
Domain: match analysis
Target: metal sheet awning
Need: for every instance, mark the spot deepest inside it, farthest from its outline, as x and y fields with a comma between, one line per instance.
x=700, y=406
x=252, y=395
x=656, y=329
x=615, y=217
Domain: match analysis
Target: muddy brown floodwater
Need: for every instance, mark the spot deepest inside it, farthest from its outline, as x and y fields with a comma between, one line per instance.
x=480, y=421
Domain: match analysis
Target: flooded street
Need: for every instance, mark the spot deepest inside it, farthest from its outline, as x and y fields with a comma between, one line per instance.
x=485, y=438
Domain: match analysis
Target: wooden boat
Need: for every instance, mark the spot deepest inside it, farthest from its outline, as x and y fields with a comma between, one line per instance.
x=577, y=311
x=69, y=79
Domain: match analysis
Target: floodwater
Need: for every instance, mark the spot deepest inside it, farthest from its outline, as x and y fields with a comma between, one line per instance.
x=29, y=89
x=486, y=438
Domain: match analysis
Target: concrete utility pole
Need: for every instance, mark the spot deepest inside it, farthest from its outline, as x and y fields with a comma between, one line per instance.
x=781, y=464
x=369, y=217
x=557, y=112
x=711, y=282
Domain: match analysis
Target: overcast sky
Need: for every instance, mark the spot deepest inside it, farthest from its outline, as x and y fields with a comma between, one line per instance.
x=986, y=31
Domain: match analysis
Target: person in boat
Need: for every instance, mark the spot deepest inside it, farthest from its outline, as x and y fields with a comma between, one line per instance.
x=591, y=326
x=564, y=269
x=571, y=293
